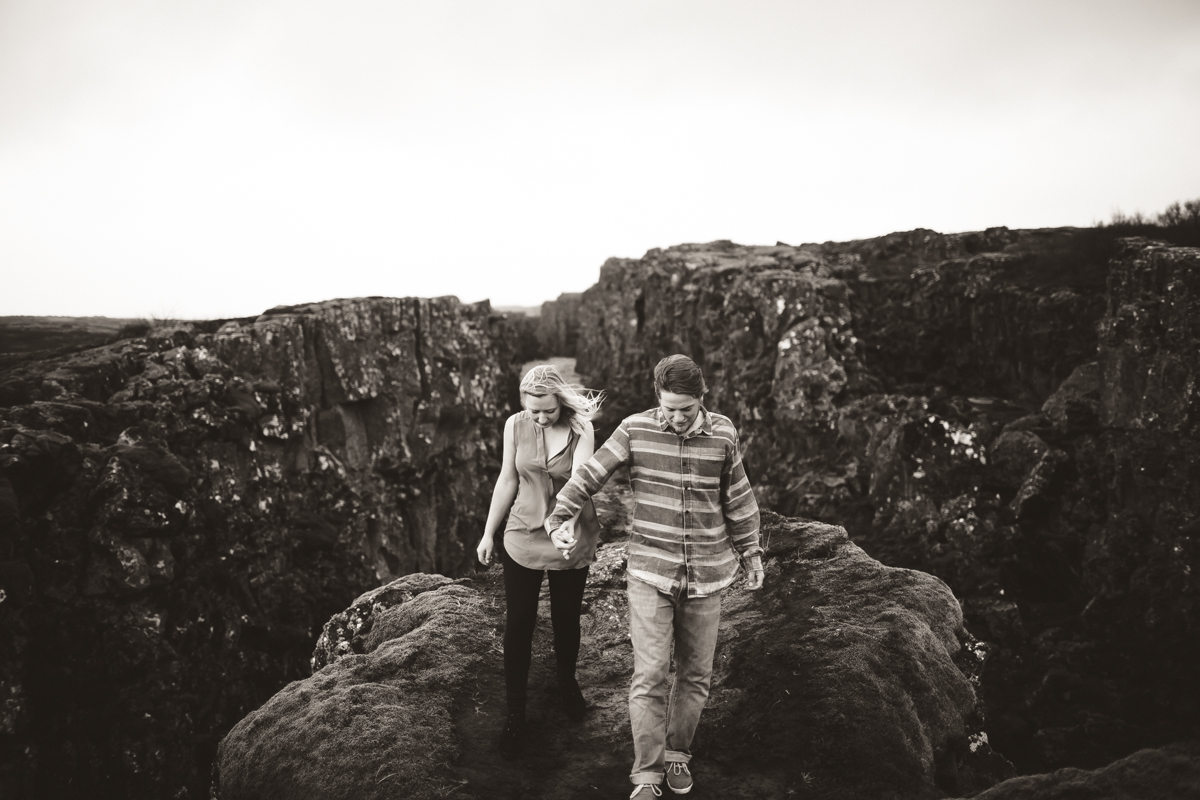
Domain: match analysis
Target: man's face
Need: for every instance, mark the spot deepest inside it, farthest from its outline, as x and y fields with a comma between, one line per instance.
x=680, y=410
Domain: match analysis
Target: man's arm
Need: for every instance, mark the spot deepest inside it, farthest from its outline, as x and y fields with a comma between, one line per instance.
x=588, y=478
x=741, y=515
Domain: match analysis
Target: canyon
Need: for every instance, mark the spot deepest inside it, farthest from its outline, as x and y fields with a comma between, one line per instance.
x=983, y=447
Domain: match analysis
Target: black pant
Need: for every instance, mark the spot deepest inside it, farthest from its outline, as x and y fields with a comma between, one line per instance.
x=521, y=588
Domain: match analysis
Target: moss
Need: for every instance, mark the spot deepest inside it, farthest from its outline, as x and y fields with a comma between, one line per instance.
x=375, y=725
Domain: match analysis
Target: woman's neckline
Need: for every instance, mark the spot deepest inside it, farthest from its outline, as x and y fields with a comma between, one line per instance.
x=545, y=442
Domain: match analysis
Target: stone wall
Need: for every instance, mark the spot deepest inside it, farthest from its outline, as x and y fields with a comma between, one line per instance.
x=181, y=514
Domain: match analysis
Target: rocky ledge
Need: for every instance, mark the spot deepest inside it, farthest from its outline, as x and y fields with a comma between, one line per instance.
x=180, y=513
x=843, y=677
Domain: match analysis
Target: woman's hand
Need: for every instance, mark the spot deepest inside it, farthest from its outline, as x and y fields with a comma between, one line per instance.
x=486, y=550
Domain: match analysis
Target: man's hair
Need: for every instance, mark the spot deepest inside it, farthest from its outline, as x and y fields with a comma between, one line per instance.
x=680, y=375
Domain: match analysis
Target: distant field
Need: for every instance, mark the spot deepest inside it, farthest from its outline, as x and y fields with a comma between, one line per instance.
x=34, y=334
x=529, y=311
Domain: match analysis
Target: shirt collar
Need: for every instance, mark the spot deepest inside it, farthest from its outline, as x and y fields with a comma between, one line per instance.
x=702, y=423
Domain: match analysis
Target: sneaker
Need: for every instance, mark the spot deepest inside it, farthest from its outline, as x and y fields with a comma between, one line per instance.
x=512, y=741
x=651, y=791
x=572, y=700
x=679, y=779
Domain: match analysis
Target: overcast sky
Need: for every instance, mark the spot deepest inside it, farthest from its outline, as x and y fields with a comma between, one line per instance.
x=204, y=158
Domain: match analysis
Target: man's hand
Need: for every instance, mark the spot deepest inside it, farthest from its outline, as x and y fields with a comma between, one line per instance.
x=754, y=574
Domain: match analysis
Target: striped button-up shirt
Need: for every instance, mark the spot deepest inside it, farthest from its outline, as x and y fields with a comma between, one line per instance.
x=694, y=512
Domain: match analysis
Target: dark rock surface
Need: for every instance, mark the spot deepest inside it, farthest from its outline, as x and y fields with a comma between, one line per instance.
x=179, y=515
x=842, y=678
x=558, y=325
x=1170, y=773
x=1004, y=409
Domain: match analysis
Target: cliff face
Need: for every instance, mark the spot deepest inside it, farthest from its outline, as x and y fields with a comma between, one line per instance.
x=181, y=513
x=558, y=326
x=983, y=407
x=770, y=325
x=997, y=312
x=973, y=313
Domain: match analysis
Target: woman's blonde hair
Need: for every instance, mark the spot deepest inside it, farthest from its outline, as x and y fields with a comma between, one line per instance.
x=577, y=403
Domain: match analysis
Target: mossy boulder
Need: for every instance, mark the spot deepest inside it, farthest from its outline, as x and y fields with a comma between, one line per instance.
x=375, y=725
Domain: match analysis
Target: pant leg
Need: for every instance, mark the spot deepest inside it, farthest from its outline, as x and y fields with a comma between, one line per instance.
x=521, y=588
x=650, y=630
x=696, y=622
x=566, y=599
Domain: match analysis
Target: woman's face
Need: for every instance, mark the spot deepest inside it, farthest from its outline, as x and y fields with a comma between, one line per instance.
x=545, y=410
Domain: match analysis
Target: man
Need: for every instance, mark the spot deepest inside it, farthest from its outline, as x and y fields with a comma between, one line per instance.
x=694, y=515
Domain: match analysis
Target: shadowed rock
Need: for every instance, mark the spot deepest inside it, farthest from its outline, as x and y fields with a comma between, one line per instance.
x=1169, y=772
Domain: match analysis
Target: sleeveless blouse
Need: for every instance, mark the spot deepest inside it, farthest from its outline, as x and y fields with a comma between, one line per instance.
x=542, y=476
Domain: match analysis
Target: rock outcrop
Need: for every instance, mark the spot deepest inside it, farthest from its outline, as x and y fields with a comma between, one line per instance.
x=771, y=325
x=558, y=326
x=1168, y=772
x=180, y=513
x=1005, y=410
x=843, y=677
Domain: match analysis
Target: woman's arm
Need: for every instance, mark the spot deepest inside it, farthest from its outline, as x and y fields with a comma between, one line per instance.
x=502, y=496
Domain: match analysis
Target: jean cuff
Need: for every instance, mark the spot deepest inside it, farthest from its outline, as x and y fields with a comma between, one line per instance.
x=638, y=778
x=677, y=755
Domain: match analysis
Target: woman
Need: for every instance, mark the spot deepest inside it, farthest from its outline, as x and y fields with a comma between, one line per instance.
x=543, y=445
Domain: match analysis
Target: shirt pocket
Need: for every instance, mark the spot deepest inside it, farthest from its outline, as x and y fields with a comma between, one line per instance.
x=705, y=465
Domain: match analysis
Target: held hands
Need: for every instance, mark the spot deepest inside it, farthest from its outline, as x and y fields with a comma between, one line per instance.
x=564, y=538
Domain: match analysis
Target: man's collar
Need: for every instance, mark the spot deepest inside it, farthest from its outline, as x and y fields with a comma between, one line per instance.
x=704, y=426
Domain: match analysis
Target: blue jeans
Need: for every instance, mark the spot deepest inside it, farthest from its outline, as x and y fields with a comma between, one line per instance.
x=663, y=728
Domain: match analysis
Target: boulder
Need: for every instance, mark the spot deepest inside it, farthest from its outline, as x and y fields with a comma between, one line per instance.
x=1014, y=454
x=1075, y=405
x=377, y=725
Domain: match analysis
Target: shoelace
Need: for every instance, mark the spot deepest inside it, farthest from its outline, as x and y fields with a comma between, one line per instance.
x=678, y=767
x=657, y=792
